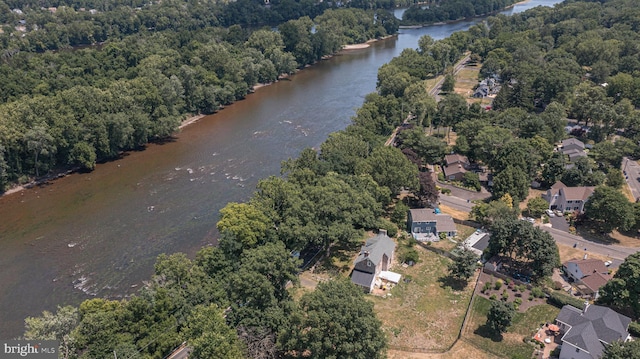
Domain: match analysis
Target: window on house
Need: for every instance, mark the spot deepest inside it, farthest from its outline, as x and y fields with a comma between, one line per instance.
x=416, y=230
x=569, y=201
x=428, y=229
x=368, y=263
x=576, y=208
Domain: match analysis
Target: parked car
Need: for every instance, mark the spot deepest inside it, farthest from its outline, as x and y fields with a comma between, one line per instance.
x=550, y=213
x=608, y=263
x=558, y=213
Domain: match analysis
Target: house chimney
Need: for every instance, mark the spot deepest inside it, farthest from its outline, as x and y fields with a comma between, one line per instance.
x=585, y=256
x=366, y=254
x=382, y=231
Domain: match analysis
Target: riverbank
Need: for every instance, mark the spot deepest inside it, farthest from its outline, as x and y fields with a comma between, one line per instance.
x=419, y=26
x=366, y=44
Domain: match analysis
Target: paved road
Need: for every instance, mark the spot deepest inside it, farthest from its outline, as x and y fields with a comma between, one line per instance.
x=457, y=203
x=615, y=252
x=631, y=169
x=435, y=90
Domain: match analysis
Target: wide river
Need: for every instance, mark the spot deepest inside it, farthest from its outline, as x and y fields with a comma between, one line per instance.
x=98, y=234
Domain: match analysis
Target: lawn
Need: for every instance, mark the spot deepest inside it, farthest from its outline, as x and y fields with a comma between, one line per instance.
x=424, y=313
x=510, y=344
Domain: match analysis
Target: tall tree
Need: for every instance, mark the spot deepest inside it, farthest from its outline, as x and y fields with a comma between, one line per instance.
x=209, y=336
x=500, y=315
x=609, y=209
x=463, y=265
x=623, y=291
x=334, y=321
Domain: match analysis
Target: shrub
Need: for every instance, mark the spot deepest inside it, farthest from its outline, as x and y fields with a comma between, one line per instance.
x=557, y=285
x=487, y=286
x=505, y=295
x=537, y=292
x=445, y=191
x=517, y=301
x=493, y=297
x=441, y=176
x=522, y=288
x=443, y=236
x=634, y=329
x=498, y=284
x=408, y=255
x=392, y=229
x=560, y=299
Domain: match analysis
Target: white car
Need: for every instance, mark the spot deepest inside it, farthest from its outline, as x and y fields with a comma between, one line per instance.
x=550, y=213
x=607, y=263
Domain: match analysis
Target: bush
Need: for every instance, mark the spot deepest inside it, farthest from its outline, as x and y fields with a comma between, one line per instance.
x=517, y=301
x=443, y=236
x=498, y=284
x=560, y=299
x=391, y=228
x=505, y=295
x=409, y=255
x=493, y=297
x=537, y=292
x=445, y=191
x=487, y=286
x=441, y=177
x=634, y=329
x=557, y=285
x=522, y=288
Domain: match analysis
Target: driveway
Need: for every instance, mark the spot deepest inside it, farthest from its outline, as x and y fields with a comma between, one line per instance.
x=559, y=223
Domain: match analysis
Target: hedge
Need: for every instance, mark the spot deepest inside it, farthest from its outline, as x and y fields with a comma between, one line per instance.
x=559, y=299
x=634, y=329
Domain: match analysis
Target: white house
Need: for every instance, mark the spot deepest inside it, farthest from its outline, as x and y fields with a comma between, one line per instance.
x=568, y=199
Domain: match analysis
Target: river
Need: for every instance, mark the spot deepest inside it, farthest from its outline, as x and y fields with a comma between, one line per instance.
x=98, y=233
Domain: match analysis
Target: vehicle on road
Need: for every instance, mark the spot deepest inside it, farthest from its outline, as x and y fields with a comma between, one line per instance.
x=550, y=213
x=558, y=213
x=608, y=263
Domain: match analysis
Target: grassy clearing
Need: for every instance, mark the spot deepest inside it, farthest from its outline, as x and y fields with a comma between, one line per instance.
x=462, y=349
x=568, y=253
x=509, y=344
x=425, y=313
x=454, y=212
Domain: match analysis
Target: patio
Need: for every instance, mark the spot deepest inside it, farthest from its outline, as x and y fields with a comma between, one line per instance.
x=549, y=335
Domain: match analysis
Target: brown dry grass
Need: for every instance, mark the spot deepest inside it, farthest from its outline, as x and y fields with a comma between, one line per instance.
x=532, y=194
x=462, y=349
x=454, y=212
x=568, y=253
x=627, y=192
x=624, y=240
x=424, y=313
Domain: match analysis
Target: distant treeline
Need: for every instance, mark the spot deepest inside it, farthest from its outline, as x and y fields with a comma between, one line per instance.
x=71, y=108
x=452, y=10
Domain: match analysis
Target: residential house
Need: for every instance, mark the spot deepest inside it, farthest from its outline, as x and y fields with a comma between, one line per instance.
x=573, y=149
x=568, y=199
x=375, y=256
x=455, y=166
x=588, y=274
x=586, y=332
x=477, y=242
x=426, y=225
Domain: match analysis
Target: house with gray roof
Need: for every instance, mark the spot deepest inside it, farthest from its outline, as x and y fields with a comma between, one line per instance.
x=375, y=256
x=573, y=149
x=568, y=199
x=425, y=224
x=586, y=332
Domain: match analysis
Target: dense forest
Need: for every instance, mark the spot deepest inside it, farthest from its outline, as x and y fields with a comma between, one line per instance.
x=452, y=10
x=231, y=301
x=72, y=108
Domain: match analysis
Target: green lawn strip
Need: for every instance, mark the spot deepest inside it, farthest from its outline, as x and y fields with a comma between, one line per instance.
x=424, y=313
x=511, y=344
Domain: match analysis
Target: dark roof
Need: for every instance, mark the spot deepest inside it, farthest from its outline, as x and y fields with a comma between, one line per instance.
x=455, y=158
x=595, y=281
x=453, y=169
x=362, y=278
x=444, y=222
x=376, y=248
x=572, y=141
x=483, y=243
x=592, y=326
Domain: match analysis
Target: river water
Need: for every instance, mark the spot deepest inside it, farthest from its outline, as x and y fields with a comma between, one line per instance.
x=98, y=234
